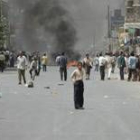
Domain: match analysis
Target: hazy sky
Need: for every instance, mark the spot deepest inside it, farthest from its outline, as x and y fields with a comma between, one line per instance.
x=90, y=18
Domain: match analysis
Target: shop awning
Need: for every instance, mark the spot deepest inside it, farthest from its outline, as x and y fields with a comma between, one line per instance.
x=132, y=25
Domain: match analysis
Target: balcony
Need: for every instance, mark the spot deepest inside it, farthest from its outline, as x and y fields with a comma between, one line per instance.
x=129, y=4
x=132, y=18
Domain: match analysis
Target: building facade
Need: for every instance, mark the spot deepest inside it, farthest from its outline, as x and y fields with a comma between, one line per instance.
x=132, y=11
x=132, y=25
x=117, y=20
x=4, y=18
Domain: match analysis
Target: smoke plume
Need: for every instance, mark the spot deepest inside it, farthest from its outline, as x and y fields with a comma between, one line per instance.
x=52, y=23
x=43, y=24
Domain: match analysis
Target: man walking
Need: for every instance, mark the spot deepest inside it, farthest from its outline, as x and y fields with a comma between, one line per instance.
x=102, y=64
x=132, y=61
x=33, y=68
x=109, y=64
x=62, y=62
x=87, y=63
x=44, y=62
x=121, y=65
x=21, y=66
x=38, y=64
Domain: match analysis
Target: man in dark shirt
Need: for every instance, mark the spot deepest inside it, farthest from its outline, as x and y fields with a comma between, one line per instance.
x=62, y=62
x=121, y=65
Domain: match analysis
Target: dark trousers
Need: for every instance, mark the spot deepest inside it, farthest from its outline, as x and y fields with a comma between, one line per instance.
x=21, y=74
x=87, y=70
x=78, y=94
x=38, y=71
x=44, y=68
x=63, y=73
x=2, y=66
x=102, y=72
x=122, y=73
x=131, y=72
x=12, y=62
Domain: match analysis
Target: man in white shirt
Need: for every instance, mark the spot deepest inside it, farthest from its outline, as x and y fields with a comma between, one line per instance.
x=77, y=78
x=33, y=68
x=21, y=66
x=44, y=62
x=102, y=64
x=109, y=60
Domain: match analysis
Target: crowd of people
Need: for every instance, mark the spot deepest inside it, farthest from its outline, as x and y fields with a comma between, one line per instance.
x=33, y=62
x=101, y=63
x=105, y=64
x=7, y=59
x=127, y=64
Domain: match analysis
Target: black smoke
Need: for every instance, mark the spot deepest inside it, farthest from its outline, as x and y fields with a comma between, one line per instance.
x=44, y=23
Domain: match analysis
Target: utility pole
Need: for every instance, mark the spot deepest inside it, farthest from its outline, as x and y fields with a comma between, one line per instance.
x=1, y=25
x=5, y=24
x=109, y=28
x=94, y=40
x=108, y=7
x=0, y=9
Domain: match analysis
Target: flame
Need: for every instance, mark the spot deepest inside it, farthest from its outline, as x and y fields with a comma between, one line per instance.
x=72, y=64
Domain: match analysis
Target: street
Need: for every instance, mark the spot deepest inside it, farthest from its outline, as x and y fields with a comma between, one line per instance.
x=46, y=112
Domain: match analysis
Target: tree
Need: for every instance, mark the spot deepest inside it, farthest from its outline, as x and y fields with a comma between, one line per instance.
x=3, y=31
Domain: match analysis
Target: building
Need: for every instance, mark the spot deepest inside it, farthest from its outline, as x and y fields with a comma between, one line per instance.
x=132, y=18
x=132, y=25
x=117, y=20
x=4, y=9
x=4, y=17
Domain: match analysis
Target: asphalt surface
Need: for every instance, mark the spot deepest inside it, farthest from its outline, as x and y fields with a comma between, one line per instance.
x=46, y=112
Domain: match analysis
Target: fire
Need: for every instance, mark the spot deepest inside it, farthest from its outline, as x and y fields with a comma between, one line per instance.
x=72, y=64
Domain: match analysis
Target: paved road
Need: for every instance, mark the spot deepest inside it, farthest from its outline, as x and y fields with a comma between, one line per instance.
x=112, y=109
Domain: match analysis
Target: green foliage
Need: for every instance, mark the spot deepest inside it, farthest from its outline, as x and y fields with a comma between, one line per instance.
x=3, y=31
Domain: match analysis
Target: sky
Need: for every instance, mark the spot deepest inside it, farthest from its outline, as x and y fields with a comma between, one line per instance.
x=89, y=19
